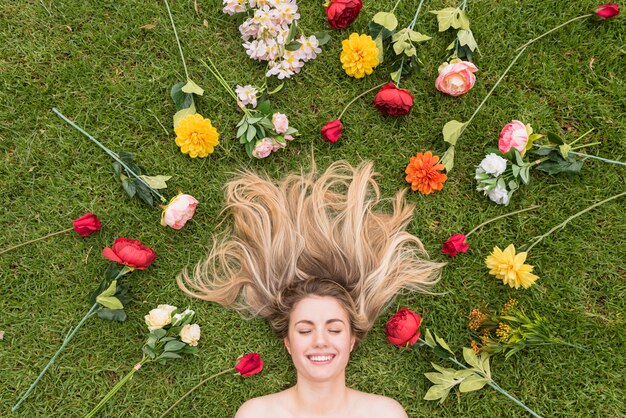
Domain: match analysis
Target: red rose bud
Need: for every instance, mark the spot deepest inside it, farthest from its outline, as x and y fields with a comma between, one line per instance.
x=608, y=10
x=341, y=13
x=403, y=327
x=332, y=131
x=131, y=253
x=249, y=364
x=393, y=101
x=86, y=224
x=455, y=244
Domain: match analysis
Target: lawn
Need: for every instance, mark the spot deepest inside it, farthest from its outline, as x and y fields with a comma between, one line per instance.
x=108, y=65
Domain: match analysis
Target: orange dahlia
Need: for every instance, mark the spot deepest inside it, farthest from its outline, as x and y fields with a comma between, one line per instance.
x=424, y=173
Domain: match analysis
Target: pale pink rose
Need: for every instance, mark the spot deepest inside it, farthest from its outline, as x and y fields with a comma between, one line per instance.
x=288, y=137
x=180, y=209
x=513, y=135
x=263, y=148
x=456, y=78
x=278, y=145
x=281, y=123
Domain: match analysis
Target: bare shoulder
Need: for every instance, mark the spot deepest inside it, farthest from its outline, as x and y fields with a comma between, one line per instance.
x=261, y=407
x=377, y=406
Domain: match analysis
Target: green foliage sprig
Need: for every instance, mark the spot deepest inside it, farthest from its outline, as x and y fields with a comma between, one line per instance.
x=464, y=44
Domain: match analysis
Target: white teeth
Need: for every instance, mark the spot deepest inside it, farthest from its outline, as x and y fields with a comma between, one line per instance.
x=320, y=358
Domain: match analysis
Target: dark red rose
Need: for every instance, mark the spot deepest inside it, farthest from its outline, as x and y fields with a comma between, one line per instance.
x=86, y=224
x=403, y=327
x=341, y=13
x=131, y=253
x=332, y=130
x=249, y=364
x=393, y=101
x=455, y=244
x=608, y=10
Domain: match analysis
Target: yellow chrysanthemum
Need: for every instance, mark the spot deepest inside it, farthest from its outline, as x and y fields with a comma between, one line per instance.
x=196, y=136
x=359, y=55
x=510, y=268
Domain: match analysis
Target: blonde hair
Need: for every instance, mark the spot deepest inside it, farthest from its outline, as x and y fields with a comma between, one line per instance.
x=303, y=228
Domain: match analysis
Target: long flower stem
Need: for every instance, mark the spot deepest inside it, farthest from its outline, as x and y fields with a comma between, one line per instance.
x=116, y=388
x=108, y=151
x=396, y=5
x=215, y=72
x=552, y=30
x=180, y=49
x=66, y=341
x=6, y=250
x=358, y=97
x=192, y=389
x=491, y=383
x=565, y=222
x=500, y=217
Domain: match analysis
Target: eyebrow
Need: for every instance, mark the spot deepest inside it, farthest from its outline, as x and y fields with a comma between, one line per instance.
x=330, y=321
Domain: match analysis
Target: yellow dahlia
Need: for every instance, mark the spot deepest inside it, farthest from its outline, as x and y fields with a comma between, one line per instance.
x=359, y=55
x=196, y=136
x=510, y=268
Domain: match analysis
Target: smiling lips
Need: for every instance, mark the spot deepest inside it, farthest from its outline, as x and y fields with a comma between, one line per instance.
x=321, y=358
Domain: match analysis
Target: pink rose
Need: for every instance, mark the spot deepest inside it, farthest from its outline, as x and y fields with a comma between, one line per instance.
x=457, y=243
x=513, y=135
x=608, y=10
x=278, y=145
x=180, y=209
x=281, y=123
x=456, y=78
x=263, y=148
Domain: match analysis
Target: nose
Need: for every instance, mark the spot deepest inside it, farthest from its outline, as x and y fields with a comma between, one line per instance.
x=320, y=339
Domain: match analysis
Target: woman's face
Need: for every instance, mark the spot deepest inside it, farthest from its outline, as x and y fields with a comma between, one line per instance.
x=319, y=339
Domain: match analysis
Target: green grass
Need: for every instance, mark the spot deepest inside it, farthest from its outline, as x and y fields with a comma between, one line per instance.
x=94, y=62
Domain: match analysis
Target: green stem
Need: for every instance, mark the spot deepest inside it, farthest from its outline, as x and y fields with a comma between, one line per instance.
x=180, y=49
x=500, y=217
x=565, y=222
x=411, y=26
x=491, y=383
x=192, y=389
x=111, y=153
x=215, y=72
x=582, y=136
x=396, y=5
x=585, y=145
x=66, y=341
x=116, y=388
x=358, y=97
x=6, y=250
x=457, y=44
x=552, y=30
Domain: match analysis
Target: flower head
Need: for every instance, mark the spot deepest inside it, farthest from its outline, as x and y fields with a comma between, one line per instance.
x=391, y=100
x=514, y=135
x=280, y=122
x=456, y=78
x=86, y=224
x=263, y=148
x=510, y=268
x=131, y=253
x=331, y=131
x=424, y=173
x=359, y=55
x=196, y=136
x=608, y=10
x=159, y=317
x=249, y=364
x=403, y=327
x=190, y=334
x=499, y=195
x=493, y=164
x=180, y=209
x=247, y=94
x=457, y=243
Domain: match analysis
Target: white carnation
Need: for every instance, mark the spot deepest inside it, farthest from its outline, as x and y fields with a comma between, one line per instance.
x=493, y=164
x=499, y=195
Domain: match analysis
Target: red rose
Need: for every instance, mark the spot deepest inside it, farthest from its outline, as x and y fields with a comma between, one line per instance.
x=341, y=13
x=608, y=10
x=455, y=244
x=403, y=327
x=131, y=253
x=332, y=130
x=393, y=101
x=86, y=224
x=249, y=364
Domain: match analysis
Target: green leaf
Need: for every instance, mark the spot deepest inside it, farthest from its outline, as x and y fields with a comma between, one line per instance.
x=438, y=378
x=379, y=44
x=293, y=46
x=241, y=122
x=129, y=186
x=168, y=355
x=555, y=139
x=181, y=114
x=189, y=350
x=418, y=37
x=174, y=345
x=569, y=166
x=149, y=351
x=471, y=358
x=250, y=133
x=264, y=107
x=472, y=383
x=181, y=99
x=518, y=157
x=249, y=148
x=156, y=182
x=322, y=38
x=242, y=130
x=515, y=169
x=484, y=358
x=513, y=185
x=452, y=130
x=448, y=158
x=110, y=302
x=565, y=149
x=429, y=338
x=375, y=29
x=395, y=75
x=443, y=344
x=437, y=392
x=451, y=17
x=109, y=291
x=112, y=314
x=293, y=29
x=277, y=89
x=143, y=192
x=192, y=88
x=462, y=21
x=386, y=20
x=525, y=174
x=466, y=37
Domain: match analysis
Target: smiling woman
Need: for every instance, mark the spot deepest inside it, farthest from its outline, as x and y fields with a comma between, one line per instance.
x=313, y=257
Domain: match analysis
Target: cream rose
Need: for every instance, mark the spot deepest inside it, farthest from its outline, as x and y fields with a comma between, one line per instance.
x=456, y=78
x=190, y=334
x=159, y=317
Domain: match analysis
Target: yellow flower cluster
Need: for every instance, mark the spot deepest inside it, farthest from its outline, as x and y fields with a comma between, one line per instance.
x=196, y=136
x=359, y=55
x=510, y=268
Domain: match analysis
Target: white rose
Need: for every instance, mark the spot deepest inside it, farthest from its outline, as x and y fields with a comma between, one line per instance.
x=159, y=317
x=499, y=195
x=493, y=164
x=190, y=334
